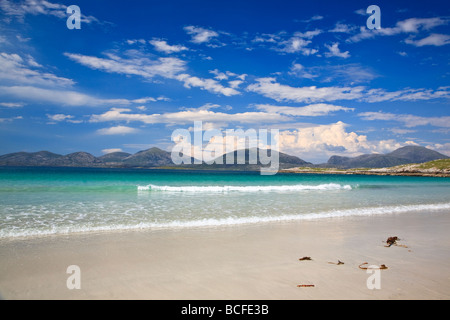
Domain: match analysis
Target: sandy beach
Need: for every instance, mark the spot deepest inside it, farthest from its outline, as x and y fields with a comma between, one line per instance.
x=258, y=261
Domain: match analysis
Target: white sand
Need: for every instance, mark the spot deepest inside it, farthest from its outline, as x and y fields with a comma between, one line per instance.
x=238, y=262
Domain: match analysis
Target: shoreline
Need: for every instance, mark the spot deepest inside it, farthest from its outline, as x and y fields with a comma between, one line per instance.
x=258, y=261
x=296, y=170
x=365, y=172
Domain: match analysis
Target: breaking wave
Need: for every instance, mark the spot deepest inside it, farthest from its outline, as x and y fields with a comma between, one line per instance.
x=217, y=222
x=271, y=188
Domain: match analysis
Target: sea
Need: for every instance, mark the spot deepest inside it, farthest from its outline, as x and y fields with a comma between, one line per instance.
x=37, y=201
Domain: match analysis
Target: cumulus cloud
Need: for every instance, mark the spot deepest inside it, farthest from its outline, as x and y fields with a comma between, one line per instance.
x=318, y=142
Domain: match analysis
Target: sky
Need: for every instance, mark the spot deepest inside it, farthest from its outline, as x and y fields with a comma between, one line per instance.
x=136, y=71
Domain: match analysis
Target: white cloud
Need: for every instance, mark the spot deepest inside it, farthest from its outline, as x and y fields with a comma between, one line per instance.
x=432, y=40
x=283, y=42
x=401, y=131
x=227, y=75
x=21, y=70
x=271, y=89
x=379, y=95
x=335, y=52
x=22, y=39
x=219, y=75
x=188, y=116
x=302, y=72
x=408, y=120
x=296, y=45
x=415, y=24
x=411, y=25
x=313, y=18
x=200, y=35
x=318, y=142
x=312, y=110
x=308, y=34
x=169, y=68
x=25, y=79
x=12, y=104
x=361, y=12
x=267, y=37
x=19, y=10
x=61, y=97
x=2, y=120
x=443, y=148
x=206, y=84
x=117, y=130
x=134, y=41
x=163, y=46
x=350, y=73
x=59, y=117
x=111, y=150
x=342, y=28
x=268, y=87
x=235, y=83
x=144, y=67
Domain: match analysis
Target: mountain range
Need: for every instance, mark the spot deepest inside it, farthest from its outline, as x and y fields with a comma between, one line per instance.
x=155, y=157
x=150, y=158
x=404, y=155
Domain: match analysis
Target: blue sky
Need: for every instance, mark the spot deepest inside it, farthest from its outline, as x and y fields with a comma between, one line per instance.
x=138, y=70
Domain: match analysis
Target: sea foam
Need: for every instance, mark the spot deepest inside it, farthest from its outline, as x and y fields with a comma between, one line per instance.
x=218, y=222
x=270, y=188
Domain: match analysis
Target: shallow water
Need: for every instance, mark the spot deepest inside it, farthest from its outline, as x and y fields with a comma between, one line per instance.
x=41, y=201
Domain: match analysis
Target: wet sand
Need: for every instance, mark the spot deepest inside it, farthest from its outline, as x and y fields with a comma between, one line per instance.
x=258, y=261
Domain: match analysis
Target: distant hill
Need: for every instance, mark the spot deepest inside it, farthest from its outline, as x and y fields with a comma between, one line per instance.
x=416, y=154
x=45, y=158
x=241, y=161
x=29, y=158
x=155, y=157
x=404, y=155
x=150, y=158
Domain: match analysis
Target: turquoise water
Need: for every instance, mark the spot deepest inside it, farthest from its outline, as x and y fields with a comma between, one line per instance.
x=41, y=201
